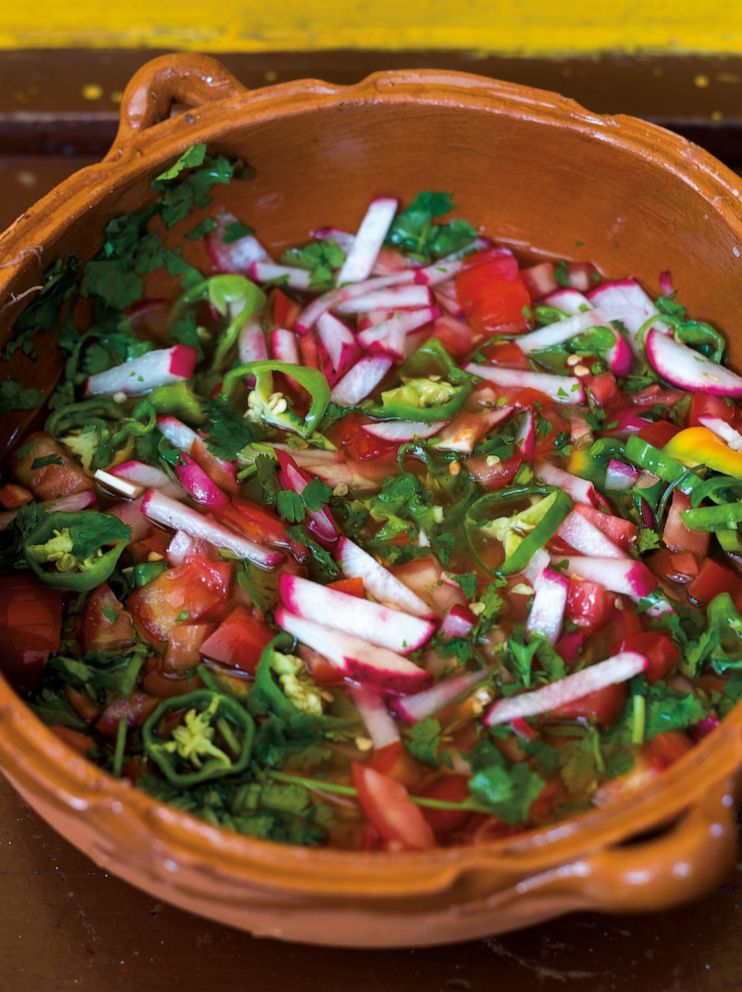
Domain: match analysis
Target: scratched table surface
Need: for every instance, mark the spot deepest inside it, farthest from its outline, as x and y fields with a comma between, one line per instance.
x=66, y=925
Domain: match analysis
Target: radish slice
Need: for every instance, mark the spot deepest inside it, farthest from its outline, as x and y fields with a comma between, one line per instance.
x=619, y=475
x=344, y=239
x=339, y=346
x=539, y=561
x=562, y=389
x=620, y=668
x=288, y=275
x=427, y=703
x=355, y=658
x=446, y=297
x=197, y=483
x=143, y=374
x=176, y=432
x=562, y=330
x=627, y=297
x=383, y=586
x=579, y=489
x=586, y=538
x=118, y=486
x=390, y=336
x=361, y=380
x=70, y=504
x=723, y=430
x=621, y=575
x=148, y=476
x=251, y=343
x=688, y=369
x=368, y=240
x=170, y=513
x=319, y=522
x=284, y=346
x=237, y=256
x=394, y=298
x=328, y=301
x=389, y=628
x=569, y=301
x=465, y=431
x=525, y=437
x=458, y=622
x=540, y=280
x=183, y=545
x=376, y=717
x=131, y=514
x=401, y=430
x=547, y=609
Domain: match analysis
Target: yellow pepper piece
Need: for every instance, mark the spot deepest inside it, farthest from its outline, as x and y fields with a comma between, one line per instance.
x=700, y=446
x=578, y=461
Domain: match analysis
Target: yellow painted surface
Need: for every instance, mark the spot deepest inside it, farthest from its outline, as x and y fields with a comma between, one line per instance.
x=515, y=27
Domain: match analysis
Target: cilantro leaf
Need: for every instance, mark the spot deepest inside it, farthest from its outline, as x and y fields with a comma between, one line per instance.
x=190, y=159
x=265, y=467
x=207, y=225
x=321, y=258
x=425, y=741
x=235, y=230
x=316, y=494
x=508, y=792
x=13, y=396
x=581, y=763
x=290, y=506
x=414, y=231
x=194, y=190
x=467, y=581
x=91, y=530
x=228, y=432
x=648, y=540
x=46, y=460
x=42, y=314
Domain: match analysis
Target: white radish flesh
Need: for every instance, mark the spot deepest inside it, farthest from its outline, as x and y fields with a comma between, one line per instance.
x=361, y=380
x=142, y=375
x=401, y=430
x=368, y=240
x=379, y=581
x=562, y=389
x=376, y=718
x=688, y=369
x=427, y=703
x=547, y=609
x=586, y=538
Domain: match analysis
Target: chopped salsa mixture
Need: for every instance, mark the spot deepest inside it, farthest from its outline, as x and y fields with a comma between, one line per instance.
x=396, y=541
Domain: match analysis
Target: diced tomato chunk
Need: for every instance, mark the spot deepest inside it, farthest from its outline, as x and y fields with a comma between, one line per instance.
x=189, y=592
x=496, y=476
x=359, y=445
x=706, y=405
x=184, y=642
x=390, y=810
x=31, y=625
x=658, y=649
x=492, y=294
x=678, y=537
x=684, y=565
x=713, y=579
x=589, y=605
x=455, y=336
x=667, y=748
x=352, y=587
x=284, y=310
x=106, y=625
x=452, y=789
x=238, y=641
x=658, y=433
x=603, y=388
x=507, y=353
x=134, y=710
x=13, y=496
x=217, y=470
x=604, y=705
x=61, y=477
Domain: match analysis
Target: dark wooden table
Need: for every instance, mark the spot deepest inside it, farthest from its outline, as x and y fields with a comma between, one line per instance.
x=66, y=926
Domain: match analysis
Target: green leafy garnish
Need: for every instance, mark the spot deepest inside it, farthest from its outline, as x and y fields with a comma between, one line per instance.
x=415, y=232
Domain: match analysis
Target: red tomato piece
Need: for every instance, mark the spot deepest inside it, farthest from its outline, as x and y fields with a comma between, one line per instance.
x=214, y=467
x=496, y=476
x=658, y=433
x=604, y=705
x=667, y=748
x=357, y=444
x=685, y=566
x=61, y=477
x=713, y=579
x=190, y=591
x=603, y=388
x=184, y=642
x=284, y=310
x=13, y=496
x=150, y=548
x=589, y=604
x=678, y=537
x=31, y=624
x=134, y=710
x=706, y=405
x=397, y=762
x=254, y=521
x=106, y=625
x=389, y=809
x=658, y=649
x=492, y=294
x=352, y=587
x=455, y=336
x=507, y=353
x=161, y=684
x=453, y=789
x=238, y=641
x=309, y=349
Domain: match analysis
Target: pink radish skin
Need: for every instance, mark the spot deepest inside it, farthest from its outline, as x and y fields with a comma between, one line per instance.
x=319, y=522
x=330, y=300
x=237, y=256
x=344, y=239
x=563, y=330
x=197, y=483
x=70, y=504
x=579, y=489
x=560, y=388
x=621, y=575
x=361, y=380
x=391, y=336
x=688, y=369
x=401, y=430
x=143, y=374
x=412, y=709
x=382, y=625
x=378, y=581
x=148, y=476
x=620, y=476
x=292, y=277
x=438, y=272
x=251, y=343
x=176, y=516
x=338, y=345
x=586, y=538
x=368, y=240
x=378, y=721
x=547, y=609
x=355, y=658
x=540, y=280
x=458, y=622
x=525, y=438
x=724, y=431
x=395, y=298
x=183, y=545
x=628, y=422
x=569, y=301
x=284, y=346
x=177, y=433
x=620, y=668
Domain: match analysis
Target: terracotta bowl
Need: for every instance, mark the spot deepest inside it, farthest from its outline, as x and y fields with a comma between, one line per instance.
x=534, y=169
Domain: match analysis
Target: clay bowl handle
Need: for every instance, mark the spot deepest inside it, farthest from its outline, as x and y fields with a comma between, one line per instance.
x=692, y=855
x=187, y=79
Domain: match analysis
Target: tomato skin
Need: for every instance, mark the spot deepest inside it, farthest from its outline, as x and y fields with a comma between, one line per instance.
x=621, y=532
x=676, y=536
x=283, y=309
x=492, y=293
x=254, y=521
x=667, y=748
x=31, y=625
x=493, y=477
x=604, y=705
x=507, y=353
x=106, y=625
x=658, y=433
x=603, y=388
x=134, y=710
x=60, y=478
x=713, y=579
x=184, y=642
x=706, y=405
x=589, y=605
x=389, y=809
x=658, y=649
x=351, y=587
x=357, y=444
x=396, y=761
x=163, y=685
x=198, y=587
x=455, y=336
x=454, y=789
x=13, y=496
x=238, y=641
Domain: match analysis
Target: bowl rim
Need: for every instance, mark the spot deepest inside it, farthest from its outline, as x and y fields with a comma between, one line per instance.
x=70, y=782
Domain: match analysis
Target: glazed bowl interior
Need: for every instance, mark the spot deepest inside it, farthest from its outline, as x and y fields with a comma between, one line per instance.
x=536, y=172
